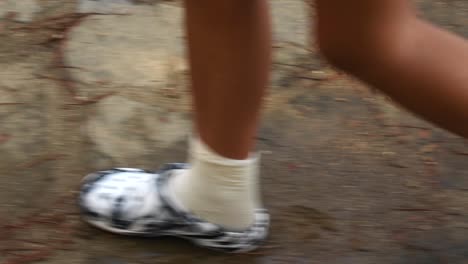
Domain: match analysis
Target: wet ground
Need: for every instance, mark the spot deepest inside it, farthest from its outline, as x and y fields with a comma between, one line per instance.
x=348, y=176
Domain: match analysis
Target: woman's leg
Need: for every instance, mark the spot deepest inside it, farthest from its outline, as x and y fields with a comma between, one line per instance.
x=385, y=44
x=229, y=52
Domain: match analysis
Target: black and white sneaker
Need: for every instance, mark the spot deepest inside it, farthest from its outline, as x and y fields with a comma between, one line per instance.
x=136, y=202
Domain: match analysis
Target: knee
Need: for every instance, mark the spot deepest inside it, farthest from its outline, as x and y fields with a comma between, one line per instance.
x=349, y=53
x=354, y=48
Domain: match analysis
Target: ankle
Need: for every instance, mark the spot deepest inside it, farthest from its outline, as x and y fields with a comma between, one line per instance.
x=217, y=189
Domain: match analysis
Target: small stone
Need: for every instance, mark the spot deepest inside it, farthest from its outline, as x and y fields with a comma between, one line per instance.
x=57, y=36
x=428, y=148
x=397, y=164
x=319, y=75
x=341, y=100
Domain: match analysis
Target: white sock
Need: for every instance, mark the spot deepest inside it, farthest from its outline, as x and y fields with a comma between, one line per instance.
x=219, y=190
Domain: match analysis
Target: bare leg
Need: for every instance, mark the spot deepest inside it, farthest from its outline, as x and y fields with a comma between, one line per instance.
x=229, y=50
x=422, y=67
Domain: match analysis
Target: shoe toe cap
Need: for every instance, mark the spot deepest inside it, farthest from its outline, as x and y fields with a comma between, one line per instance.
x=119, y=194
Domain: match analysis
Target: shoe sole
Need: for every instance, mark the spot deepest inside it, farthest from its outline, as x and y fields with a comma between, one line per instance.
x=107, y=228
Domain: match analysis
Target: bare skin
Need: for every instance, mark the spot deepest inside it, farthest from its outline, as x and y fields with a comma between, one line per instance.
x=229, y=50
x=383, y=43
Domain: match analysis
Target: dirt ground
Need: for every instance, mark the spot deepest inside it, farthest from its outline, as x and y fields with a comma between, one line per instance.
x=348, y=176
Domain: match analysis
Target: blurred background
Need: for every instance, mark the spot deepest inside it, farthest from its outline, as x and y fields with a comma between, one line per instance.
x=349, y=176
